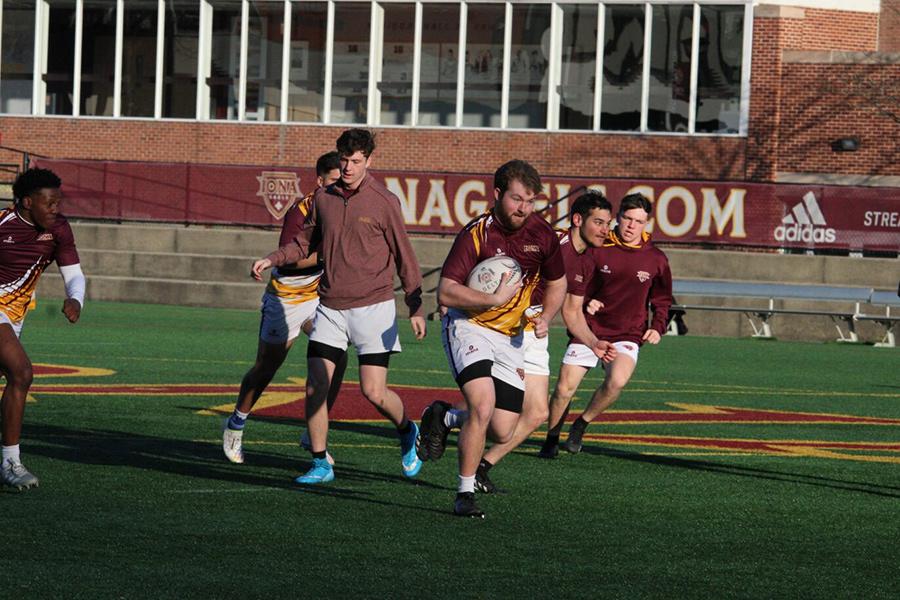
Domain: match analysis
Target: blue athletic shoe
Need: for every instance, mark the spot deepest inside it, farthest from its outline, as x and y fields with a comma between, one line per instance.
x=320, y=472
x=411, y=463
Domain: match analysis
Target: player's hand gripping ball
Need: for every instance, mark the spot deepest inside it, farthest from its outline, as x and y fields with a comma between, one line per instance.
x=485, y=277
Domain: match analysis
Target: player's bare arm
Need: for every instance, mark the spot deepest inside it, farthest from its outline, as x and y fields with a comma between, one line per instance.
x=456, y=295
x=577, y=325
x=554, y=296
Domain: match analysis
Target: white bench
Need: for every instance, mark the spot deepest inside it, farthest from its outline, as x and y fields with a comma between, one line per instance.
x=759, y=317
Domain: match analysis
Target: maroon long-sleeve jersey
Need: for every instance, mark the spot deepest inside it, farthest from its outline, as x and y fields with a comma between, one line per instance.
x=626, y=279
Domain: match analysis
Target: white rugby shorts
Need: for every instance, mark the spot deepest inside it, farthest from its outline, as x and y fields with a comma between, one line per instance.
x=466, y=343
x=371, y=329
x=281, y=320
x=537, y=354
x=17, y=327
x=582, y=356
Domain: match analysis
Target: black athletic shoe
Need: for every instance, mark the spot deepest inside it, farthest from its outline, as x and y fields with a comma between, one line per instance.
x=573, y=443
x=465, y=506
x=433, y=433
x=549, y=449
x=484, y=485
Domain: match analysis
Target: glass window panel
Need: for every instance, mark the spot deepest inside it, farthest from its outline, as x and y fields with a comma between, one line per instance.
x=440, y=50
x=17, y=71
x=579, y=66
x=670, y=68
x=623, y=65
x=60, y=58
x=180, y=59
x=264, y=44
x=350, y=68
x=719, y=69
x=307, y=72
x=397, y=64
x=139, y=59
x=529, y=52
x=484, y=65
x=98, y=49
x=225, y=55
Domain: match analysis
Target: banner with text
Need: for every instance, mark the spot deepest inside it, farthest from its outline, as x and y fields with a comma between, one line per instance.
x=695, y=212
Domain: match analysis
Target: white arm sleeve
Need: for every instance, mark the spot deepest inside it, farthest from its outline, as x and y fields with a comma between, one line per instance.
x=74, y=280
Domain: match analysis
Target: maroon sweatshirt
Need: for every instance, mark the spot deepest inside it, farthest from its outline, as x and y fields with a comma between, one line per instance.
x=362, y=239
x=626, y=278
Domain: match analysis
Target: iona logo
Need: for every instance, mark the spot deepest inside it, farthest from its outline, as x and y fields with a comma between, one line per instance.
x=279, y=190
x=805, y=223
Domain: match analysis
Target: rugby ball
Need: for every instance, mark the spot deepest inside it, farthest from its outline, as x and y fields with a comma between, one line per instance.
x=485, y=277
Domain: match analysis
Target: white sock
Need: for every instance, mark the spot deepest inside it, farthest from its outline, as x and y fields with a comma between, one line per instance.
x=466, y=484
x=455, y=418
x=11, y=453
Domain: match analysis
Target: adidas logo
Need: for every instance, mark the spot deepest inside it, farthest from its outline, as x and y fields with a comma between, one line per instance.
x=806, y=223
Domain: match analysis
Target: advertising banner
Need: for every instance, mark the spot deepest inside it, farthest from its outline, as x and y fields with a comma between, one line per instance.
x=694, y=212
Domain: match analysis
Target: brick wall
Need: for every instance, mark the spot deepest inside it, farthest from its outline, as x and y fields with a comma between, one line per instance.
x=889, y=26
x=839, y=30
x=826, y=101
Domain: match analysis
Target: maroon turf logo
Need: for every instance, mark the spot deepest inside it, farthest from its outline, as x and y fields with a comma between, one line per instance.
x=279, y=190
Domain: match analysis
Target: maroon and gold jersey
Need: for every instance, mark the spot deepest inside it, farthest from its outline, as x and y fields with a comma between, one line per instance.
x=292, y=285
x=626, y=278
x=25, y=251
x=535, y=247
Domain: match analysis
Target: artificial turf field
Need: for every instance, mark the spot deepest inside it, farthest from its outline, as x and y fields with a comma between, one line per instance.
x=729, y=468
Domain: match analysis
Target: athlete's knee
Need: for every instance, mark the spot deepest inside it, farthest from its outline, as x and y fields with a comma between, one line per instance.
x=536, y=415
x=373, y=392
x=19, y=375
x=480, y=414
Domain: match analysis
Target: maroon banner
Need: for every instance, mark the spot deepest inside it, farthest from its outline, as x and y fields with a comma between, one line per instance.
x=696, y=212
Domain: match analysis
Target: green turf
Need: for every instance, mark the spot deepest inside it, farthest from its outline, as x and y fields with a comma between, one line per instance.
x=136, y=499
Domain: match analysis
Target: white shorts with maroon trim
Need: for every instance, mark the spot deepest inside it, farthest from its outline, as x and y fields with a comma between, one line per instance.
x=281, y=321
x=371, y=329
x=17, y=327
x=466, y=343
x=537, y=354
x=582, y=356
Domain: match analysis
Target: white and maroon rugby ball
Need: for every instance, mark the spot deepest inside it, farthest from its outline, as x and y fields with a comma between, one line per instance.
x=485, y=277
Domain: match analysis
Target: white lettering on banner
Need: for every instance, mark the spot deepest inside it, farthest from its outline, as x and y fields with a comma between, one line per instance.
x=476, y=207
x=732, y=210
x=662, y=211
x=436, y=205
x=409, y=203
x=876, y=218
x=806, y=223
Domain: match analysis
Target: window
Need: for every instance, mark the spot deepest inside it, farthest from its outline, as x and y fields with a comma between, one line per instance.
x=579, y=64
x=484, y=65
x=396, y=81
x=225, y=52
x=265, y=41
x=180, y=59
x=719, y=69
x=528, y=66
x=306, y=87
x=139, y=59
x=623, y=65
x=440, y=64
x=98, y=44
x=58, y=78
x=670, y=68
x=17, y=53
x=350, y=67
